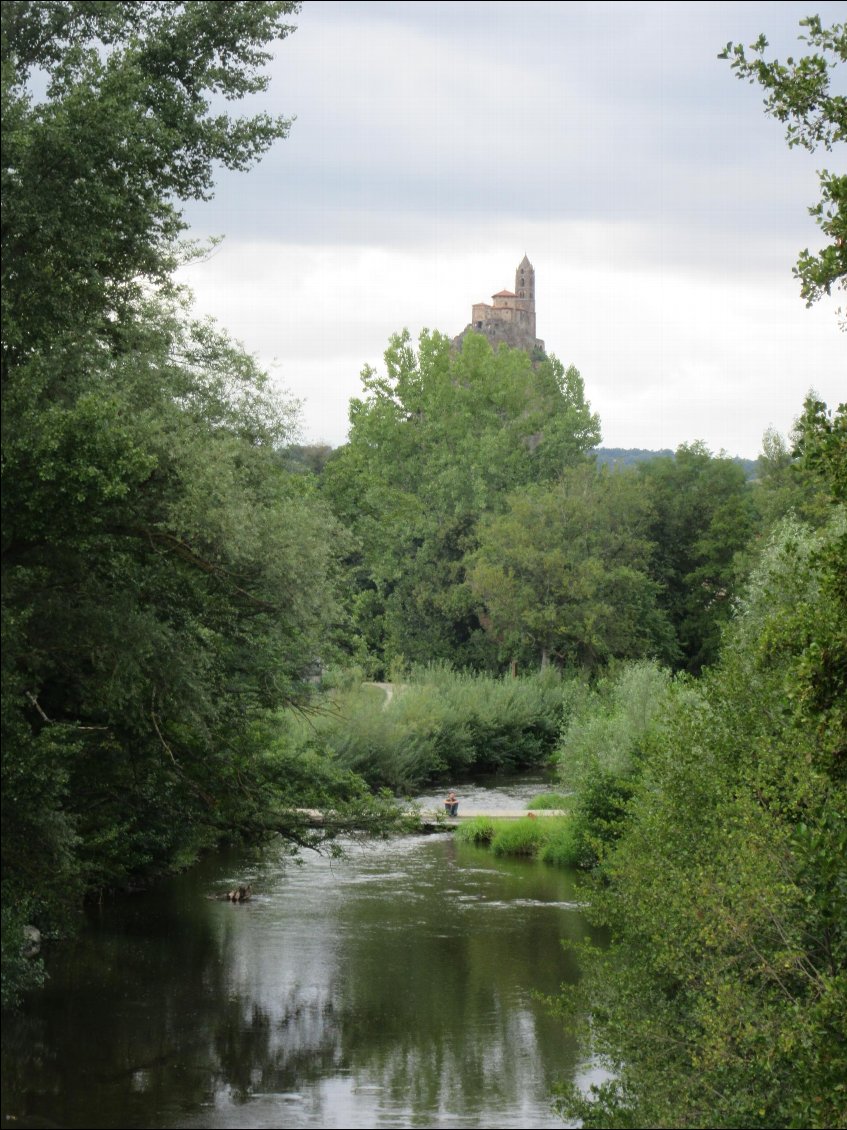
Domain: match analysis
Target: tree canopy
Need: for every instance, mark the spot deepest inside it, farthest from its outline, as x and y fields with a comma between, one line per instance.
x=435, y=443
x=166, y=581
x=563, y=572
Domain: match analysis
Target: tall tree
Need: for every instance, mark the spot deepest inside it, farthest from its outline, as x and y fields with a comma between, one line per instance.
x=703, y=518
x=165, y=580
x=562, y=573
x=435, y=443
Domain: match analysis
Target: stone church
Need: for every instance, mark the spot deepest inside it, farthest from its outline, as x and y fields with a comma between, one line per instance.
x=510, y=318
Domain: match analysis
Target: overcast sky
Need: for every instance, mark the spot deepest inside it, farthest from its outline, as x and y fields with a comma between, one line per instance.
x=436, y=143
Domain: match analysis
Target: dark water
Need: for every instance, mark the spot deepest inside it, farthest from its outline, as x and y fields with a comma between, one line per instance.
x=392, y=989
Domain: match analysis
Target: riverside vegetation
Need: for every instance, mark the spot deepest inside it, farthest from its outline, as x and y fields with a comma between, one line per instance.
x=671, y=635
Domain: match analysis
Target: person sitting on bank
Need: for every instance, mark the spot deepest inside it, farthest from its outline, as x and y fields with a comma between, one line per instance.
x=451, y=804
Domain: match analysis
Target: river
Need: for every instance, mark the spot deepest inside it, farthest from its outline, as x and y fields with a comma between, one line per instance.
x=398, y=987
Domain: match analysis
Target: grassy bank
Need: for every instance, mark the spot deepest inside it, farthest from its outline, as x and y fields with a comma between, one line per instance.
x=553, y=839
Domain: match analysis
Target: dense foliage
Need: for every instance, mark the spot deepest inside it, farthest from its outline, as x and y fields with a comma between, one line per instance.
x=485, y=535
x=435, y=444
x=165, y=581
x=563, y=572
x=703, y=518
x=438, y=725
x=725, y=876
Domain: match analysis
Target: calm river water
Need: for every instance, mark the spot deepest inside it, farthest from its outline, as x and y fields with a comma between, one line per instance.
x=395, y=988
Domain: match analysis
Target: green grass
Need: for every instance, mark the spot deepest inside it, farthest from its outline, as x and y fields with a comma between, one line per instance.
x=480, y=830
x=518, y=837
x=551, y=839
x=561, y=846
x=550, y=800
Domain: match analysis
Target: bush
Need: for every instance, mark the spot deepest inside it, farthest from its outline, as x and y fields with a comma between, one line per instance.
x=722, y=1002
x=606, y=725
x=602, y=744
x=561, y=846
x=439, y=724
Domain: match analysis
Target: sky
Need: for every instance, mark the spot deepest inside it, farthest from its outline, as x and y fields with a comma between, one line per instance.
x=436, y=143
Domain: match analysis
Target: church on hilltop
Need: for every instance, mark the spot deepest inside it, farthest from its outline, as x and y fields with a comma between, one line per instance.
x=510, y=318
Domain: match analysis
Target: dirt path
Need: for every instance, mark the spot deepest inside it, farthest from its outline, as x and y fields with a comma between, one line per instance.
x=388, y=688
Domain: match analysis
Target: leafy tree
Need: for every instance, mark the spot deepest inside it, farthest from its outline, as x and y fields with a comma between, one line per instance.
x=166, y=583
x=435, y=443
x=799, y=93
x=703, y=518
x=785, y=486
x=821, y=444
x=94, y=171
x=563, y=571
x=723, y=1000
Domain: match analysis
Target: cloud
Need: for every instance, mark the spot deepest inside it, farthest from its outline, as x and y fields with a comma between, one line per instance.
x=566, y=112
x=668, y=354
x=436, y=143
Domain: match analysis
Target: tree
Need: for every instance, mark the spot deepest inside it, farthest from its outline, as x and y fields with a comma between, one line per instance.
x=435, y=443
x=94, y=171
x=821, y=444
x=725, y=885
x=562, y=572
x=785, y=486
x=703, y=519
x=167, y=583
x=799, y=93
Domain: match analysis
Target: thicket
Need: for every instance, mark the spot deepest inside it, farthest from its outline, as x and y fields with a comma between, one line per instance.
x=606, y=727
x=439, y=724
x=722, y=872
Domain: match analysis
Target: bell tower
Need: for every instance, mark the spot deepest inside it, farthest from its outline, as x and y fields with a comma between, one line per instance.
x=525, y=295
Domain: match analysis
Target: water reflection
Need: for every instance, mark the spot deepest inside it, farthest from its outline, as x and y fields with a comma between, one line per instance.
x=395, y=989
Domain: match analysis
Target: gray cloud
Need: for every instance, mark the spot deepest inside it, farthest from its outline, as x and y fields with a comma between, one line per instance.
x=435, y=143
x=613, y=111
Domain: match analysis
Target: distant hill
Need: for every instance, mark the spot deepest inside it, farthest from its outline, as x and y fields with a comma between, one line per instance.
x=626, y=456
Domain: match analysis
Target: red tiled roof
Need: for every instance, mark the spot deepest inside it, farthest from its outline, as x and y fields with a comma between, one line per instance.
x=504, y=294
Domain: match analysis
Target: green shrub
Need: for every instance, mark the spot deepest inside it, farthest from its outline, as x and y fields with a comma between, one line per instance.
x=561, y=847
x=723, y=1000
x=441, y=723
x=599, y=816
x=602, y=745
x=607, y=724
